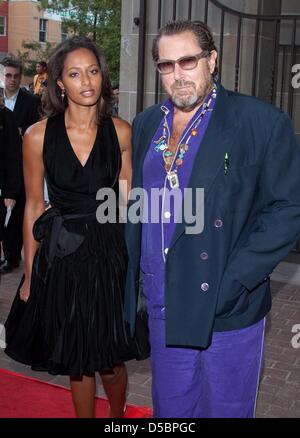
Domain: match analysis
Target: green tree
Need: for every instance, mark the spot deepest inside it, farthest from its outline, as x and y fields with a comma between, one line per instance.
x=34, y=52
x=98, y=19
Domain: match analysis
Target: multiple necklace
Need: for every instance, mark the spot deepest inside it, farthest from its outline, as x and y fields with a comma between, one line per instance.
x=162, y=144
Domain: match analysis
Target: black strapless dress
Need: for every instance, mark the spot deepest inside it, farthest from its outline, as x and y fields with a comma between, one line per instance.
x=73, y=321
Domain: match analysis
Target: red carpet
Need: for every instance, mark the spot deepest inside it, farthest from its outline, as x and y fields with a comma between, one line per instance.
x=25, y=397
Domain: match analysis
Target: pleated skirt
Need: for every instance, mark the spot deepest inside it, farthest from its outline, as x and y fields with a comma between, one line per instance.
x=72, y=323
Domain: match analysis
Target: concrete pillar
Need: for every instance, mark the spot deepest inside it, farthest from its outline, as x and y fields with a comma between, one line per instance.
x=129, y=59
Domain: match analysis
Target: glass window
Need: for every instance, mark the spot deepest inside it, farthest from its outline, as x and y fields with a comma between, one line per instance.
x=2, y=26
x=43, y=30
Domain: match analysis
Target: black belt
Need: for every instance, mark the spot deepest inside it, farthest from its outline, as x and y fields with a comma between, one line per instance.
x=55, y=239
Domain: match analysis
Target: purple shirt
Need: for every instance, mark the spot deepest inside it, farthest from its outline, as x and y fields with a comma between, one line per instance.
x=156, y=237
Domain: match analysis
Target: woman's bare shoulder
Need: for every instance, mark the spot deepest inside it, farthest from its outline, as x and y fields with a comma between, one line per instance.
x=123, y=130
x=34, y=135
x=121, y=125
x=36, y=131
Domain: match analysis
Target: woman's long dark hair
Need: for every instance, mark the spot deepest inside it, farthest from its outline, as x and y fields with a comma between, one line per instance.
x=55, y=104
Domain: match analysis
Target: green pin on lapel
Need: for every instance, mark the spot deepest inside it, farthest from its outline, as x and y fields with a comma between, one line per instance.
x=226, y=161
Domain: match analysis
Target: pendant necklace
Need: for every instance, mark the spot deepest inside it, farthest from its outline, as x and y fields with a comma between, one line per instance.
x=162, y=145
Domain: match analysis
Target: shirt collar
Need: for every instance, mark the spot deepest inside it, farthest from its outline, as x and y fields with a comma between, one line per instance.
x=13, y=98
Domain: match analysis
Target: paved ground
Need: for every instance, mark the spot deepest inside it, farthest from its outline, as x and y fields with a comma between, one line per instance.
x=279, y=393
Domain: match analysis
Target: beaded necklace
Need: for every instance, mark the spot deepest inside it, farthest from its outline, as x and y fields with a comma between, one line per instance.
x=162, y=144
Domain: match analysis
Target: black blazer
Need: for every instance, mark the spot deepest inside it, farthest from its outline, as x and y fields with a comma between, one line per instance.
x=10, y=155
x=251, y=220
x=26, y=110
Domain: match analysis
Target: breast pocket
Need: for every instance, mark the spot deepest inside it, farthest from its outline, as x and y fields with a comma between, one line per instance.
x=237, y=188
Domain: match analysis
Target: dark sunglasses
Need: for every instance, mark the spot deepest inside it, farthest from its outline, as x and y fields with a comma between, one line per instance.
x=166, y=66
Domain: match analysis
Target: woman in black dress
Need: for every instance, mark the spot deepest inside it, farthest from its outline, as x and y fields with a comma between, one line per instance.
x=68, y=316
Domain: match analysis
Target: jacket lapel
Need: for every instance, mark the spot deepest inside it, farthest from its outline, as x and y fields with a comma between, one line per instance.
x=19, y=105
x=143, y=139
x=219, y=138
x=145, y=127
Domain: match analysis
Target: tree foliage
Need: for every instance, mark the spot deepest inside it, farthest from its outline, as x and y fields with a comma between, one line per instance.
x=34, y=52
x=98, y=19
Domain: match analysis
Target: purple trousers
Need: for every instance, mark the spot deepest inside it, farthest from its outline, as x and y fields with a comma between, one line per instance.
x=220, y=382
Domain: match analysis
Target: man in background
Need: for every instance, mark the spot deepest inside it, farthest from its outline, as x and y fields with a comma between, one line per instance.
x=10, y=164
x=25, y=108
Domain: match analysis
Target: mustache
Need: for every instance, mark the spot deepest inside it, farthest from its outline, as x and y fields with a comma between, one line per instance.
x=182, y=83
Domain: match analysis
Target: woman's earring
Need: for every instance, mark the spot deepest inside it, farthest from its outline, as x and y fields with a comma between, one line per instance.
x=62, y=94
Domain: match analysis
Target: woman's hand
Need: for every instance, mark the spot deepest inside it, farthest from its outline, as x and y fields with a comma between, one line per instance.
x=25, y=290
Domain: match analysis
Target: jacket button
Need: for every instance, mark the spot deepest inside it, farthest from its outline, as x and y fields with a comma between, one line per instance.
x=218, y=223
x=167, y=215
x=205, y=287
x=204, y=256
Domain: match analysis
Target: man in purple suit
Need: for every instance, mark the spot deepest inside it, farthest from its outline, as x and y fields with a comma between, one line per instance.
x=207, y=289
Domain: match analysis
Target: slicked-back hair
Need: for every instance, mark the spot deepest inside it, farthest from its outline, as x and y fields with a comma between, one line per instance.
x=42, y=63
x=55, y=104
x=200, y=30
x=14, y=63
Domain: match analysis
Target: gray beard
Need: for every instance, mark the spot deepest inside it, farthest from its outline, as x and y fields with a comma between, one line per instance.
x=188, y=105
x=191, y=103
